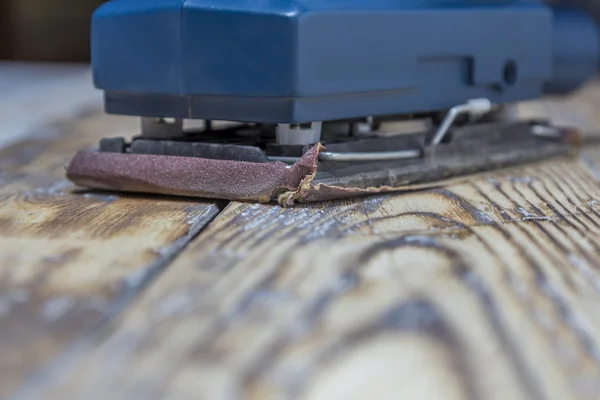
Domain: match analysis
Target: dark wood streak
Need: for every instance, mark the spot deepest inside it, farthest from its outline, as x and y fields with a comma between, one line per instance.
x=583, y=232
x=308, y=320
x=565, y=311
x=594, y=266
x=593, y=184
x=306, y=217
x=397, y=319
x=303, y=225
x=585, y=189
x=350, y=280
x=559, y=175
x=303, y=233
x=471, y=280
x=557, y=212
x=90, y=326
x=590, y=220
x=579, y=332
x=586, y=178
x=98, y=217
x=587, y=202
x=342, y=213
x=509, y=278
x=268, y=280
x=418, y=316
x=264, y=286
x=72, y=261
x=565, y=276
x=464, y=206
x=558, y=186
x=540, y=226
x=559, y=303
x=445, y=223
x=548, y=292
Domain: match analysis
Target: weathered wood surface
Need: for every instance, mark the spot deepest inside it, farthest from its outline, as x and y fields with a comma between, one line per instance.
x=488, y=289
x=69, y=260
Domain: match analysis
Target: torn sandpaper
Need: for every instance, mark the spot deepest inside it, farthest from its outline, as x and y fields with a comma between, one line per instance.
x=200, y=177
x=190, y=176
x=303, y=181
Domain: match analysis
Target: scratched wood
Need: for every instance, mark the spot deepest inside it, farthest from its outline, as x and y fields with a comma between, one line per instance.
x=70, y=260
x=483, y=290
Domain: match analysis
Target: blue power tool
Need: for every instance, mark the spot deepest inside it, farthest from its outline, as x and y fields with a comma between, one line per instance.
x=289, y=74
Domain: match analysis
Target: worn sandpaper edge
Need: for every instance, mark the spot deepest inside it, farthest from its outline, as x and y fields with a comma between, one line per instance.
x=572, y=141
x=222, y=179
x=190, y=176
x=309, y=192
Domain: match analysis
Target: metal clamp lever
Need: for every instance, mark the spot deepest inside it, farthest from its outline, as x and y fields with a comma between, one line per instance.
x=474, y=107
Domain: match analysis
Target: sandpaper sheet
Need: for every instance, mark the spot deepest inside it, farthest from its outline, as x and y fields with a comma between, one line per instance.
x=219, y=179
x=200, y=177
x=189, y=176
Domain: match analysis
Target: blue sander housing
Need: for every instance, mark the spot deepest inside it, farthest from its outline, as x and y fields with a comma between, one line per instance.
x=288, y=75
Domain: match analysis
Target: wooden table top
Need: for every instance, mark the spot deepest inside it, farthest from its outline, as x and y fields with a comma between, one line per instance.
x=486, y=289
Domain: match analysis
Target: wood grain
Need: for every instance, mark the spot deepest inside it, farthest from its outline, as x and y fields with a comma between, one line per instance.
x=71, y=260
x=483, y=290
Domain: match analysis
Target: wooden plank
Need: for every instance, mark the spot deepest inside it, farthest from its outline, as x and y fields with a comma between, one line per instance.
x=69, y=261
x=486, y=289
x=316, y=301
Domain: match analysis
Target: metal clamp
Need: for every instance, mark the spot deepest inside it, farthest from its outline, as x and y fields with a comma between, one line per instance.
x=358, y=157
x=474, y=107
x=370, y=156
x=546, y=131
